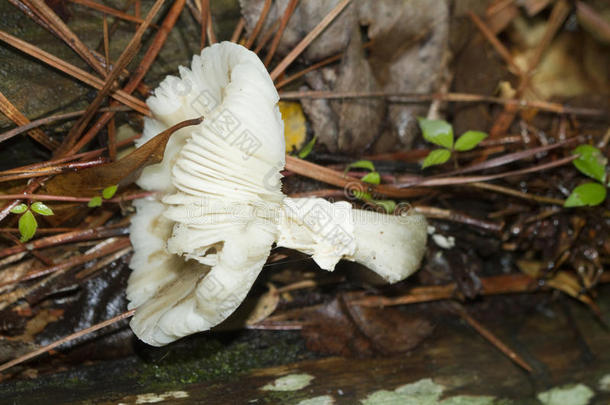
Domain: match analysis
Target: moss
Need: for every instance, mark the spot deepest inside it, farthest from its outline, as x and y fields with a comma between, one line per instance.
x=208, y=359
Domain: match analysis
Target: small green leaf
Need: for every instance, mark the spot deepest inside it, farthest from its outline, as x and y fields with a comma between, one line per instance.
x=436, y=157
x=438, y=132
x=362, y=195
x=469, y=140
x=361, y=164
x=109, y=191
x=41, y=208
x=95, y=202
x=388, y=205
x=19, y=209
x=372, y=178
x=27, y=226
x=591, y=162
x=588, y=194
x=307, y=148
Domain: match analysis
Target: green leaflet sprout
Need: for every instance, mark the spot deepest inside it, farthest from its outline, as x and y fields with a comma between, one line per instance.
x=27, y=220
x=107, y=194
x=590, y=162
x=440, y=133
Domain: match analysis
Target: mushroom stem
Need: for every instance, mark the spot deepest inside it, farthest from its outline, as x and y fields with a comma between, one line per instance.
x=390, y=245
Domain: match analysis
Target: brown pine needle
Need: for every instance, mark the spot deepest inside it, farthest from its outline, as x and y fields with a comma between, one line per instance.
x=349, y=184
x=266, y=37
x=46, y=171
x=259, y=24
x=30, y=188
x=517, y=193
x=205, y=7
x=106, y=247
x=495, y=42
x=108, y=10
x=126, y=56
x=313, y=67
x=454, y=216
x=66, y=237
x=278, y=35
x=66, y=339
x=288, y=59
x=8, y=109
x=210, y=29
x=73, y=71
x=449, y=181
x=66, y=198
x=490, y=337
x=47, y=120
x=402, y=97
x=145, y=64
x=560, y=12
x=239, y=28
x=58, y=27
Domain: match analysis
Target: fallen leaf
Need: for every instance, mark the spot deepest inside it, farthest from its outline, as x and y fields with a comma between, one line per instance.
x=265, y=306
x=91, y=181
x=295, y=131
x=344, y=329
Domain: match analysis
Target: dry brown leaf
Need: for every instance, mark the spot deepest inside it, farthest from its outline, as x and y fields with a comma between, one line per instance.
x=91, y=181
x=349, y=330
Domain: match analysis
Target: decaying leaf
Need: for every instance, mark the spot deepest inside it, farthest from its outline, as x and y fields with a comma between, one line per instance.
x=409, y=53
x=266, y=304
x=360, y=120
x=350, y=330
x=92, y=181
x=563, y=281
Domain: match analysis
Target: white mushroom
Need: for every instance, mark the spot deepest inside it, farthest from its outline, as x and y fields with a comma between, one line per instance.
x=199, y=248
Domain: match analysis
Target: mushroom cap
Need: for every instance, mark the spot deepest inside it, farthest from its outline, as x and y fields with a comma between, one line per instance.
x=199, y=249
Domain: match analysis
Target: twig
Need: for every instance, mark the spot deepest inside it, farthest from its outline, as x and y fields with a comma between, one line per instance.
x=66, y=339
x=292, y=55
